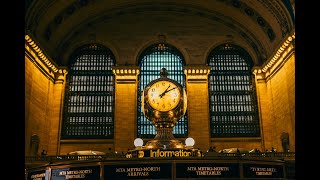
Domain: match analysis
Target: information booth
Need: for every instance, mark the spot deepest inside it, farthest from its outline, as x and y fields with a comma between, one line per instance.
x=219, y=166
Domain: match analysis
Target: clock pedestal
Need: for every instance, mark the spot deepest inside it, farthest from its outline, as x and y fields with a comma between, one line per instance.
x=164, y=139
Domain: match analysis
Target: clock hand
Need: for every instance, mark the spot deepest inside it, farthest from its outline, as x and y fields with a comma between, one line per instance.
x=171, y=89
x=162, y=94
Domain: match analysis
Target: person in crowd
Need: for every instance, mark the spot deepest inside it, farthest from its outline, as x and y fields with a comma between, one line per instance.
x=212, y=149
x=43, y=153
x=238, y=151
x=285, y=141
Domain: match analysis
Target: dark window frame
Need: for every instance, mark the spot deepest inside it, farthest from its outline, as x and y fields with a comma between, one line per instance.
x=88, y=111
x=233, y=102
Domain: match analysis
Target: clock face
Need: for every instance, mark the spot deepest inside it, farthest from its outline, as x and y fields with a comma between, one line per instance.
x=164, y=95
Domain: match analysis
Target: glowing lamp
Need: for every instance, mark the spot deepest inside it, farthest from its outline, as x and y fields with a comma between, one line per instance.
x=138, y=142
x=189, y=141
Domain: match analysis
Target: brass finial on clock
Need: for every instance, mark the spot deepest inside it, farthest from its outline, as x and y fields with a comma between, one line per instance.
x=163, y=72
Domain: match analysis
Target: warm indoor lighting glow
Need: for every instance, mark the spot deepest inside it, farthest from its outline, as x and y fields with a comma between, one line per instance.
x=189, y=141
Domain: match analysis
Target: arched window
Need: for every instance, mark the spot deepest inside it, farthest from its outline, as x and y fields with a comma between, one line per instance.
x=89, y=96
x=151, y=61
x=233, y=103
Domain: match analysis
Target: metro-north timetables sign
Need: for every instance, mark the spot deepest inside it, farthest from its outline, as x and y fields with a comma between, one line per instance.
x=85, y=172
x=207, y=170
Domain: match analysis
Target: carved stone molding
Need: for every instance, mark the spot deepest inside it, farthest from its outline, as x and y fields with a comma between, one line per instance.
x=197, y=73
x=43, y=62
x=126, y=74
x=277, y=60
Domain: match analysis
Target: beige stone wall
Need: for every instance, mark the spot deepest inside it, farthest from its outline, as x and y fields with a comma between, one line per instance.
x=44, y=88
x=282, y=91
x=198, y=105
x=276, y=92
x=38, y=89
x=264, y=112
x=56, y=100
x=125, y=107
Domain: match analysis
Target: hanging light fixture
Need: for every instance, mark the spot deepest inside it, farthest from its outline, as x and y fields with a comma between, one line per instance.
x=161, y=46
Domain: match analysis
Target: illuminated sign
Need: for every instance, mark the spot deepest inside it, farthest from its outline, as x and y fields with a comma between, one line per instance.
x=262, y=171
x=207, y=170
x=37, y=175
x=163, y=153
x=137, y=171
x=86, y=172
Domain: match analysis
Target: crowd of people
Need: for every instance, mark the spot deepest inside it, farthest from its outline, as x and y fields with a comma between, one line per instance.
x=239, y=150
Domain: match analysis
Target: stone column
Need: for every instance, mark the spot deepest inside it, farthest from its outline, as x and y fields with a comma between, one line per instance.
x=198, y=105
x=264, y=110
x=125, y=115
x=56, y=100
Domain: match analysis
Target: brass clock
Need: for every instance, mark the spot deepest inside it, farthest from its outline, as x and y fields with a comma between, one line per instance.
x=164, y=102
x=164, y=98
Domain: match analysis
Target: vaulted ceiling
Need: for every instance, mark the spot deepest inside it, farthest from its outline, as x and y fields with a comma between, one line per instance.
x=60, y=26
